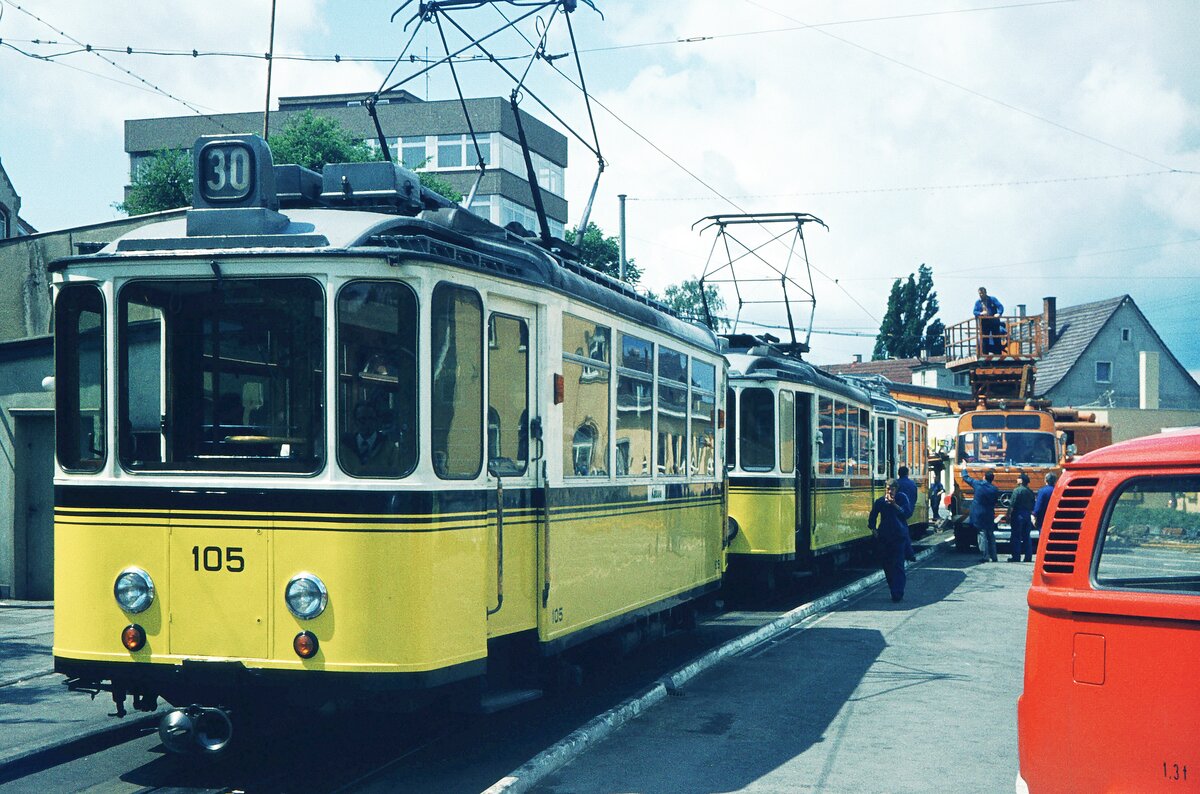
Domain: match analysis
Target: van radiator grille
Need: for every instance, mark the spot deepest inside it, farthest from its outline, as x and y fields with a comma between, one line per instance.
x=1062, y=542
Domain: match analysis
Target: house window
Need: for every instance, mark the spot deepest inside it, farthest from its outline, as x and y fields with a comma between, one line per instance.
x=960, y=379
x=1103, y=372
x=1126, y=334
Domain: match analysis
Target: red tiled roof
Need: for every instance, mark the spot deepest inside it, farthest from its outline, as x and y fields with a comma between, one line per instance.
x=897, y=370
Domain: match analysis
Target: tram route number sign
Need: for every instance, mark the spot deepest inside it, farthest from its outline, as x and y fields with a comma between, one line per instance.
x=226, y=171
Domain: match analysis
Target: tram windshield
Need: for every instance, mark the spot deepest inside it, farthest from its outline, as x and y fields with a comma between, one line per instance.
x=221, y=374
x=1007, y=448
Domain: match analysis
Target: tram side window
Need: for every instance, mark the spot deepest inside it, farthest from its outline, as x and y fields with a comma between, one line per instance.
x=704, y=409
x=731, y=428
x=864, y=443
x=222, y=375
x=881, y=448
x=902, y=443
x=377, y=379
x=758, y=429
x=1151, y=538
x=851, y=440
x=79, y=385
x=839, y=437
x=787, y=431
x=508, y=395
x=825, y=437
x=456, y=344
x=586, y=372
x=672, y=412
x=635, y=408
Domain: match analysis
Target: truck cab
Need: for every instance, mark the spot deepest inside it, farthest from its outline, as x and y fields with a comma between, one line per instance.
x=1110, y=701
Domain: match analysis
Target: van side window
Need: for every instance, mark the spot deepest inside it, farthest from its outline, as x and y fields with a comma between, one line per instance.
x=1151, y=538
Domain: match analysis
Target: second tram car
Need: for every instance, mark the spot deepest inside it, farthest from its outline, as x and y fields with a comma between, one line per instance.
x=807, y=453
x=362, y=444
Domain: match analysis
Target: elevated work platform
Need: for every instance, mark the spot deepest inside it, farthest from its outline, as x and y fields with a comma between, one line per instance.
x=1000, y=354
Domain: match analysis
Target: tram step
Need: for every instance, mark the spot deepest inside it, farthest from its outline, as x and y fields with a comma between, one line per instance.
x=491, y=702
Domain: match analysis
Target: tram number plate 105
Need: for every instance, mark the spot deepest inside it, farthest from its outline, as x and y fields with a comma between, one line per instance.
x=215, y=558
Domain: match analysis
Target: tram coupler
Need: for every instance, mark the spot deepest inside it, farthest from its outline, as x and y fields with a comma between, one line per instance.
x=203, y=729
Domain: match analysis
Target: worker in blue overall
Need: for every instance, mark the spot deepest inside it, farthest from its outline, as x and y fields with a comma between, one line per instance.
x=988, y=310
x=1020, y=518
x=906, y=486
x=983, y=511
x=888, y=520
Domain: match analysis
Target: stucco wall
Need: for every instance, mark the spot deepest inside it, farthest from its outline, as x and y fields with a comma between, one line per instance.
x=1130, y=423
x=1176, y=388
x=24, y=281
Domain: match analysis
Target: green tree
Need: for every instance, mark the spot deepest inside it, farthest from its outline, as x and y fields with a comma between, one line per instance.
x=165, y=183
x=603, y=253
x=687, y=300
x=909, y=324
x=312, y=141
x=440, y=186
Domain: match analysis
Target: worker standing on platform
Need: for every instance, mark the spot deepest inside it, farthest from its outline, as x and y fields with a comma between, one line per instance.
x=983, y=511
x=906, y=486
x=988, y=310
x=888, y=520
x=1020, y=519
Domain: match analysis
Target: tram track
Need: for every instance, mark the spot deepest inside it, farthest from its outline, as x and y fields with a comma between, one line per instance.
x=373, y=751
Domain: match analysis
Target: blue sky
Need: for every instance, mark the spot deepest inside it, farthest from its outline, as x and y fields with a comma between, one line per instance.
x=1045, y=148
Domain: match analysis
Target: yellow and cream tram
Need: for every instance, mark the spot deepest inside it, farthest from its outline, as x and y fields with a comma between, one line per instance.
x=807, y=453
x=356, y=444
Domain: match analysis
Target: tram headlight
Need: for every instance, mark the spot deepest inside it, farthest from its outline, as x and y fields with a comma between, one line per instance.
x=134, y=590
x=306, y=596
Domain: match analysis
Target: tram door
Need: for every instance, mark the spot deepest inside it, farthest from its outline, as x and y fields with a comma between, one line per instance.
x=514, y=459
x=804, y=472
x=886, y=443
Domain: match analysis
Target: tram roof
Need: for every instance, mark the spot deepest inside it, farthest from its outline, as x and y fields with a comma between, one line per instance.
x=452, y=237
x=764, y=364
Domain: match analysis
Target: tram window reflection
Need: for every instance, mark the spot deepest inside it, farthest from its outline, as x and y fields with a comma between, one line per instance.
x=703, y=418
x=222, y=374
x=377, y=379
x=787, y=431
x=825, y=435
x=672, y=412
x=79, y=369
x=508, y=395
x=457, y=399
x=635, y=408
x=586, y=372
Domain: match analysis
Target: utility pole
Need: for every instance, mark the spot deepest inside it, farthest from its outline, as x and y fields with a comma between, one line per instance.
x=621, y=197
x=270, y=61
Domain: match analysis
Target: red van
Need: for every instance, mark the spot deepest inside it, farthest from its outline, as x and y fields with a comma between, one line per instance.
x=1112, y=651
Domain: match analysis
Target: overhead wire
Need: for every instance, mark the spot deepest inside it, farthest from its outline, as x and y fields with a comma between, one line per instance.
x=115, y=65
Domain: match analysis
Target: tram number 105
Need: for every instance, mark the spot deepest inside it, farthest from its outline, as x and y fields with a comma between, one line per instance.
x=214, y=558
x=226, y=171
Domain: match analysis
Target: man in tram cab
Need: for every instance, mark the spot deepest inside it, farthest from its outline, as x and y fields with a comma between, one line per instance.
x=991, y=332
x=369, y=451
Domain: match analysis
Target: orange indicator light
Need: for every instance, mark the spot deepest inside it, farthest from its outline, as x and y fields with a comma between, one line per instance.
x=133, y=637
x=305, y=645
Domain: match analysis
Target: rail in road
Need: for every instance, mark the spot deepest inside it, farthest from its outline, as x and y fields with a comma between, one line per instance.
x=434, y=751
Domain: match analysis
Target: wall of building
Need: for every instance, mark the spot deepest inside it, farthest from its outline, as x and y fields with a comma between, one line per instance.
x=25, y=283
x=1130, y=423
x=1079, y=387
x=26, y=525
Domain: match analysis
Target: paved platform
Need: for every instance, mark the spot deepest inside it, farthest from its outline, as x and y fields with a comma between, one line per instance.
x=918, y=696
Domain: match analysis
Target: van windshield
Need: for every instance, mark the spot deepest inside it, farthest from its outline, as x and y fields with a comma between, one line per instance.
x=1007, y=448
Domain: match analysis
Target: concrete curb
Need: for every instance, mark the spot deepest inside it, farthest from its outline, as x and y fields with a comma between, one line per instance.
x=26, y=753
x=26, y=677
x=532, y=772
x=9, y=604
